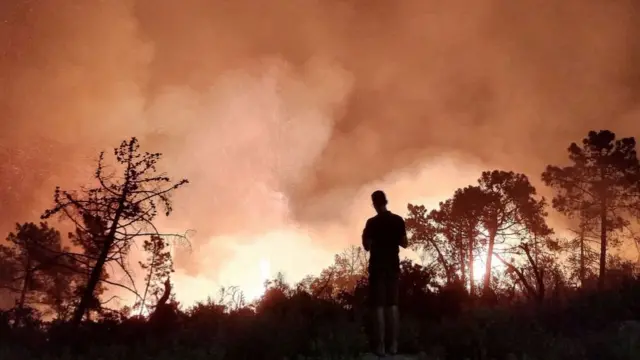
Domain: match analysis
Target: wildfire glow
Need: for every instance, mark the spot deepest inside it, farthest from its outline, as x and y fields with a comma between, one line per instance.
x=265, y=270
x=479, y=270
x=288, y=117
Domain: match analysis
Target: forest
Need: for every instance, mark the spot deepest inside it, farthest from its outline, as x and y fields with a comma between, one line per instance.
x=565, y=292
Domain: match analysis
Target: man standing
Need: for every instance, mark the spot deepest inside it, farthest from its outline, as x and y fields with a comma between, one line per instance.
x=382, y=236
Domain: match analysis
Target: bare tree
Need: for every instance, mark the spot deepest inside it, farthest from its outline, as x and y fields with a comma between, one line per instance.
x=159, y=266
x=348, y=267
x=120, y=207
x=232, y=298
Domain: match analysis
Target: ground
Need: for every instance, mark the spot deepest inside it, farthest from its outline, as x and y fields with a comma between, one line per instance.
x=394, y=357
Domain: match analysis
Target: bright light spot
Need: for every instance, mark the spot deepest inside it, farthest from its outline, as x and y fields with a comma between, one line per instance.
x=479, y=266
x=265, y=270
x=479, y=269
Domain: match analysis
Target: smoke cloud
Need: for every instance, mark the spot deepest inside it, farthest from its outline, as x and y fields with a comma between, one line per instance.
x=285, y=115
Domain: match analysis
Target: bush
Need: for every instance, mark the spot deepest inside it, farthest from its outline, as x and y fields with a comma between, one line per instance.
x=439, y=323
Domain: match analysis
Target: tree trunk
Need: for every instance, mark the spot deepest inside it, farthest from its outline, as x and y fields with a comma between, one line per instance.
x=603, y=241
x=443, y=261
x=143, y=302
x=530, y=290
x=463, y=266
x=96, y=272
x=25, y=286
x=535, y=248
x=487, y=274
x=472, y=285
x=94, y=278
x=582, y=260
x=538, y=274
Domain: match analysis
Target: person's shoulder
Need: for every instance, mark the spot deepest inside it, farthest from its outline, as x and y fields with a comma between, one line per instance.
x=396, y=217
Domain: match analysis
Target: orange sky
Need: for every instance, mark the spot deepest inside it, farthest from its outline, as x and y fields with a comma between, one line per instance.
x=285, y=115
x=299, y=250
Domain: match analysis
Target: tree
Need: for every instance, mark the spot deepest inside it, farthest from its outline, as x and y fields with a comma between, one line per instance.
x=352, y=261
x=120, y=207
x=417, y=285
x=8, y=276
x=538, y=262
x=511, y=209
x=348, y=267
x=61, y=294
x=277, y=290
x=583, y=253
x=450, y=233
x=166, y=311
x=597, y=185
x=159, y=266
x=232, y=298
x=502, y=205
x=88, y=240
x=34, y=264
x=467, y=211
x=431, y=233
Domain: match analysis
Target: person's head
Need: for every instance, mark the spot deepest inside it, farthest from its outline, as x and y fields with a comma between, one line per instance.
x=379, y=200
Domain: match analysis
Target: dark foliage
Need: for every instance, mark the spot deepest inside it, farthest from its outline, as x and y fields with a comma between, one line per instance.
x=435, y=320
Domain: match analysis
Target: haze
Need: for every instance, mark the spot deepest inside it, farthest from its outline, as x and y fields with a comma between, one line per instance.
x=285, y=115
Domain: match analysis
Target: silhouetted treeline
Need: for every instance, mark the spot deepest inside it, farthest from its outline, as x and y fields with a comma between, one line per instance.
x=565, y=293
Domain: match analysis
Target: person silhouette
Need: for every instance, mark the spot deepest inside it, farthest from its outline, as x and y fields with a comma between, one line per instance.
x=383, y=235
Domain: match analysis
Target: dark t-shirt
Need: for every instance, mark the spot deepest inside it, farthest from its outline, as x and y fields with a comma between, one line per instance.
x=386, y=231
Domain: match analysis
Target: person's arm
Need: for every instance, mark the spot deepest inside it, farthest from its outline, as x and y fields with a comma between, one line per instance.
x=366, y=237
x=404, y=242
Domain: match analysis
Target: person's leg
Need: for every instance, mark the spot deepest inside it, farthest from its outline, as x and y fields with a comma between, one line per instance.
x=377, y=297
x=380, y=330
x=393, y=315
x=393, y=321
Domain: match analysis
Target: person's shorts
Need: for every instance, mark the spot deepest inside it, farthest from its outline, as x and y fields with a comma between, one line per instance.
x=383, y=288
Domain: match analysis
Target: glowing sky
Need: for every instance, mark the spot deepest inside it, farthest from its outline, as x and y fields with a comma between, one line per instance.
x=298, y=251
x=286, y=114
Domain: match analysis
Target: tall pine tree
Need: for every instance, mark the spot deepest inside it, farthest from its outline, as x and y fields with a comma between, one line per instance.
x=598, y=185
